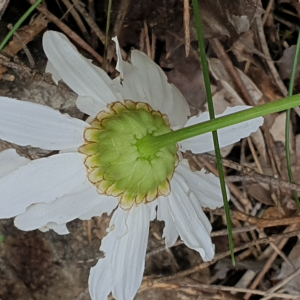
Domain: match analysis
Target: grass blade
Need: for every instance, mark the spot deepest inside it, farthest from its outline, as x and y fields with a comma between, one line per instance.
x=288, y=117
x=198, y=21
x=18, y=24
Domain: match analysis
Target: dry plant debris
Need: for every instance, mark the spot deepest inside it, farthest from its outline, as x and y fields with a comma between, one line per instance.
x=250, y=46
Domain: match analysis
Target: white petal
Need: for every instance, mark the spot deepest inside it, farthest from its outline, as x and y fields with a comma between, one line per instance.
x=152, y=210
x=100, y=280
x=89, y=106
x=81, y=200
x=101, y=275
x=50, y=69
x=227, y=136
x=106, y=205
x=144, y=81
x=201, y=216
x=120, y=61
x=10, y=160
x=170, y=232
x=26, y=123
x=192, y=225
x=205, y=186
x=60, y=229
x=76, y=71
x=125, y=249
x=41, y=180
x=129, y=254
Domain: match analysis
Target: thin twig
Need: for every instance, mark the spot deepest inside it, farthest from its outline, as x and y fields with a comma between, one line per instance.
x=269, y=294
x=147, y=39
x=223, y=56
x=265, y=49
x=14, y=66
x=90, y=21
x=252, y=175
x=67, y=30
x=203, y=265
x=23, y=45
x=27, y=33
x=186, y=25
x=76, y=17
x=271, y=259
x=233, y=189
x=123, y=8
x=92, y=12
x=251, y=146
x=121, y=17
x=153, y=45
x=3, y=6
x=201, y=286
x=267, y=11
x=213, y=234
x=259, y=222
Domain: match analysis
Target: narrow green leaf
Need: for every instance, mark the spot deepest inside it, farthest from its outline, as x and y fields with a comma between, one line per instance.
x=18, y=24
x=198, y=22
x=288, y=117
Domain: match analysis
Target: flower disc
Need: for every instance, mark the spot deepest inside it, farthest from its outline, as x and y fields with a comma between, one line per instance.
x=116, y=164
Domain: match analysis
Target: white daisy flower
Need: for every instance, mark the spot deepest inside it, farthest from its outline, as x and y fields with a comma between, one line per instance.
x=101, y=167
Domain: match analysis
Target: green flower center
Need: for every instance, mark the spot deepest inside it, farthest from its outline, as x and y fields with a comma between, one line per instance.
x=117, y=161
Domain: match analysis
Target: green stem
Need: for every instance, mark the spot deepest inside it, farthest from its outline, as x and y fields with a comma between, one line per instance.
x=198, y=21
x=158, y=142
x=18, y=24
x=288, y=117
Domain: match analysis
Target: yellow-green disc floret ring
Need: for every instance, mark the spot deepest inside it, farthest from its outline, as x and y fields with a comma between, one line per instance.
x=117, y=161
